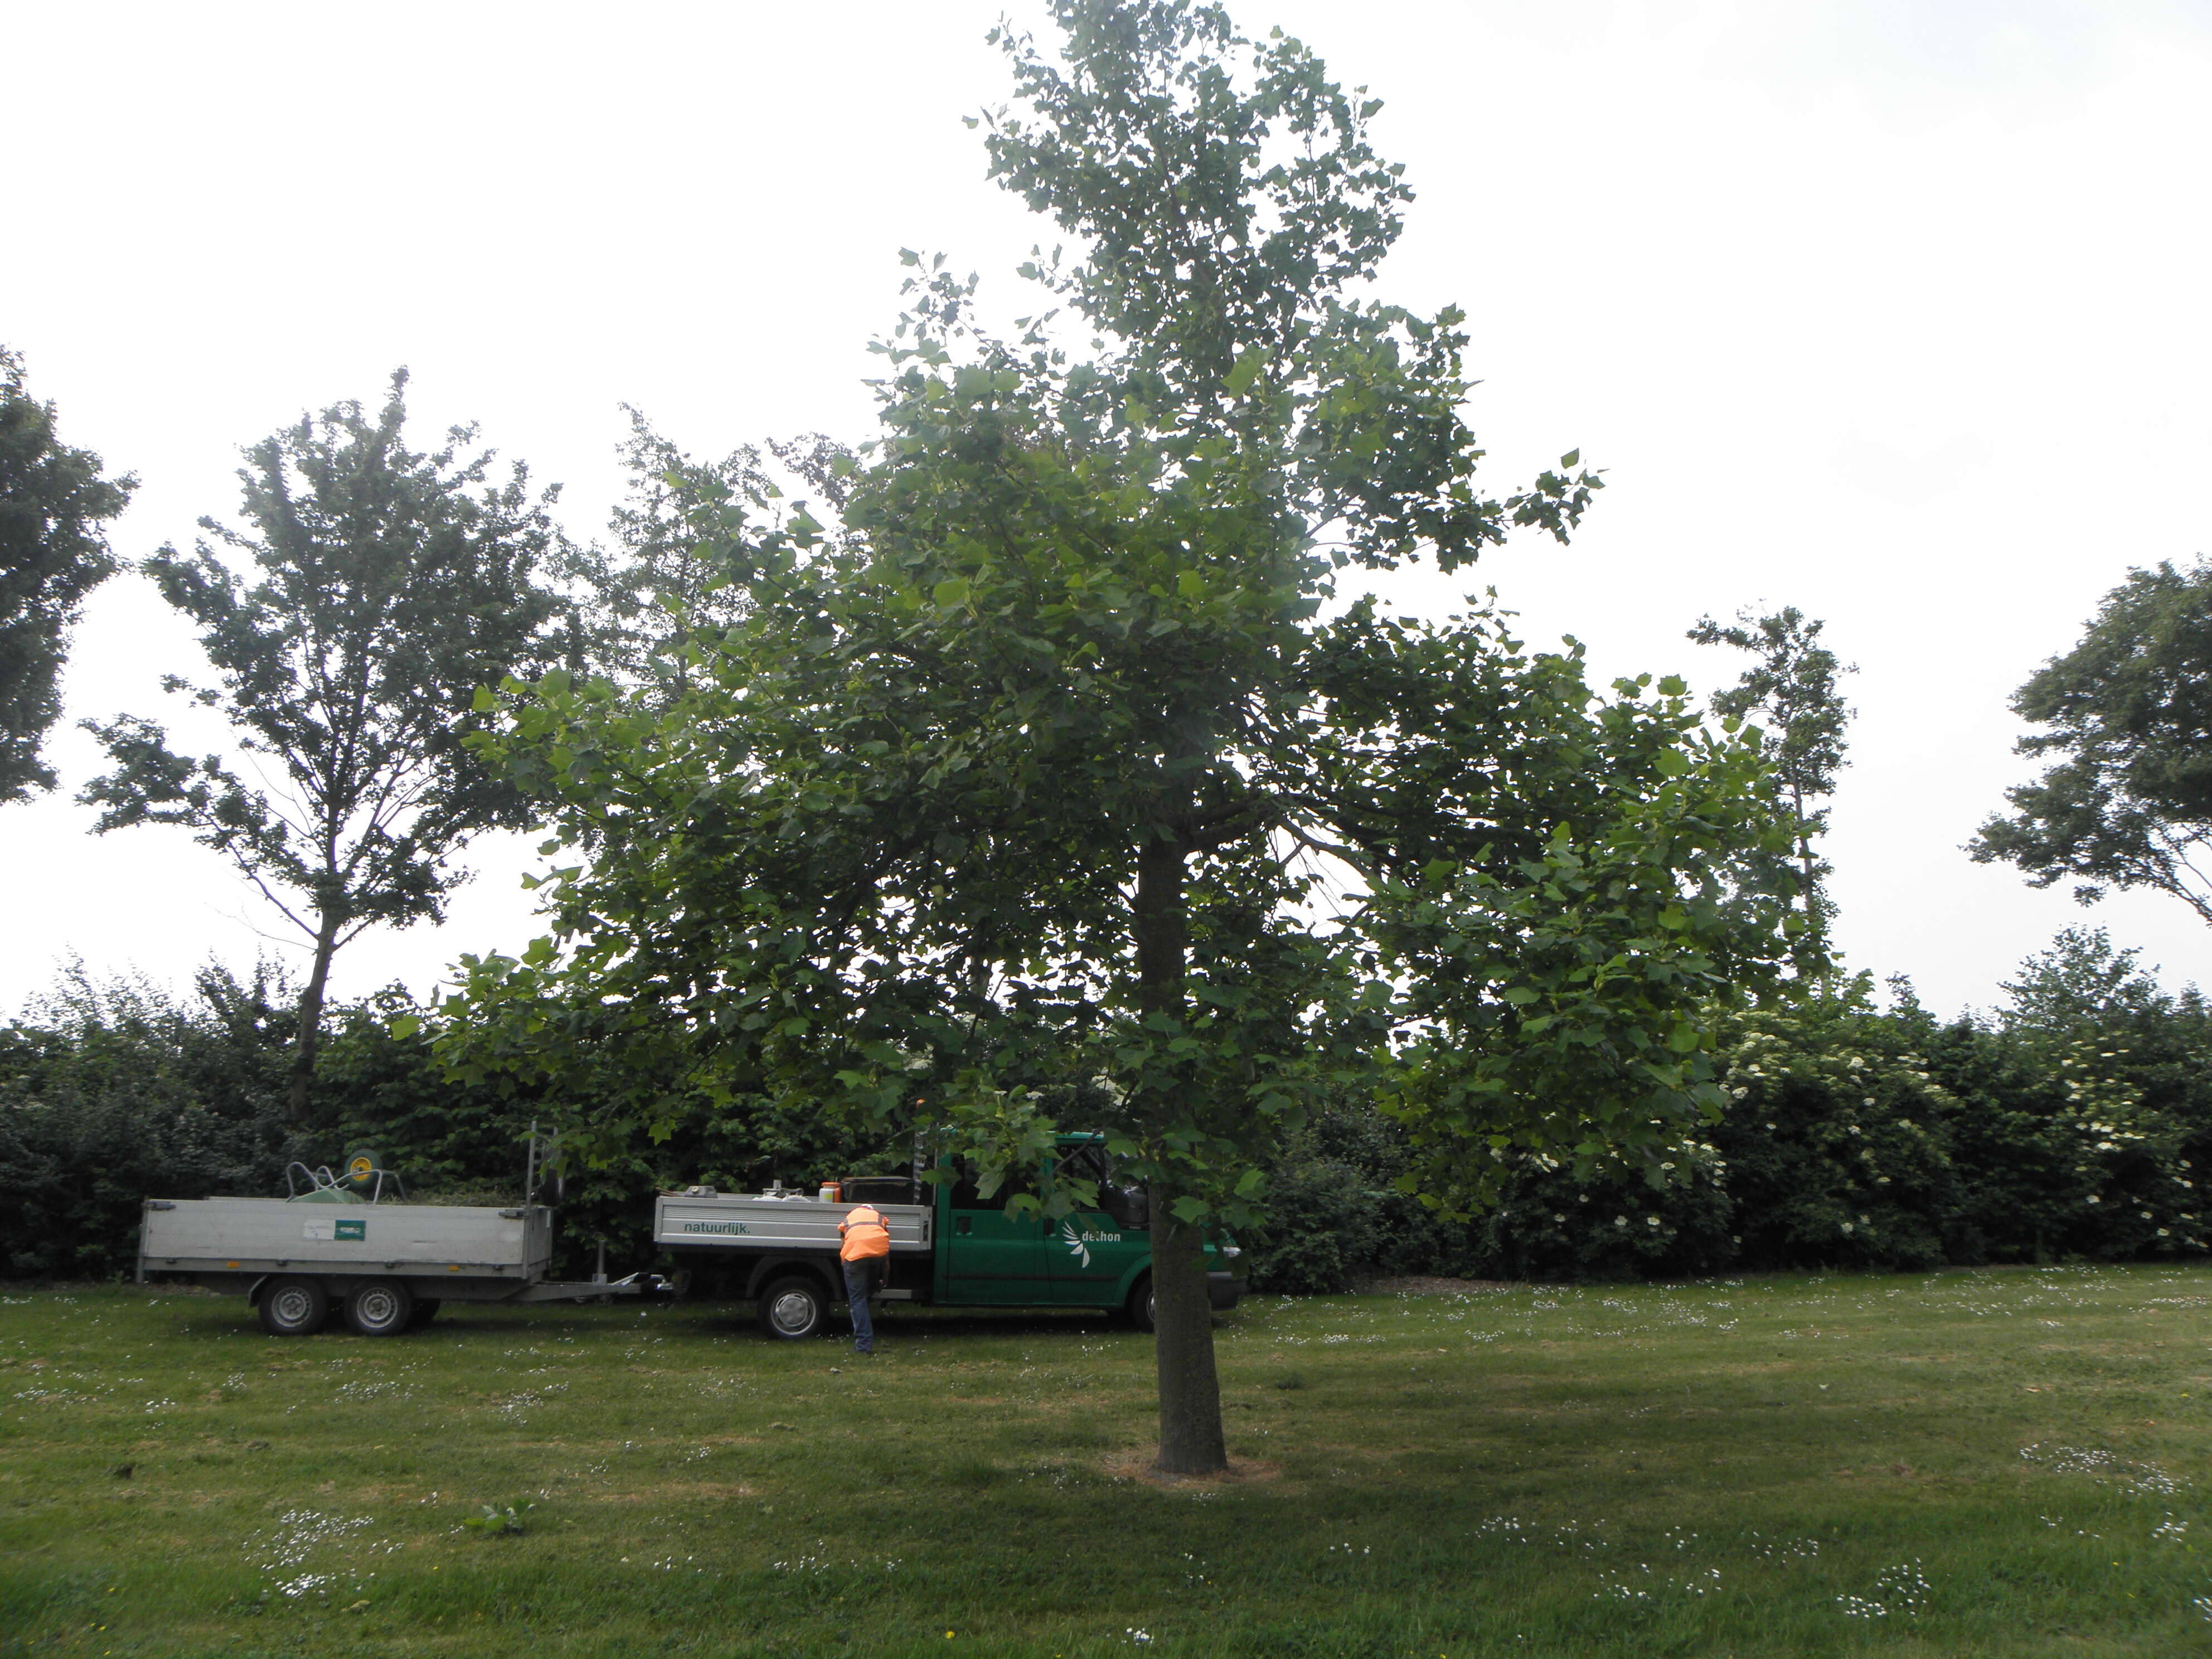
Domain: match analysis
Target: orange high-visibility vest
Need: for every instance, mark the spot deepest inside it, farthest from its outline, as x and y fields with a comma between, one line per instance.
x=865, y=1234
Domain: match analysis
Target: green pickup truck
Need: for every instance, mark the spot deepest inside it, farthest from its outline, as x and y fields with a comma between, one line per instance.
x=951, y=1246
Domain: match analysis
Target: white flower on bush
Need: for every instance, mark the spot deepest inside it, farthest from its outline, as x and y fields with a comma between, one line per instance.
x=1850, y=1227
x=1651, y=1220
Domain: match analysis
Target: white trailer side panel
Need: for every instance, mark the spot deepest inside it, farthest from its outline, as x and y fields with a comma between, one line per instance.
x=762, y=1222
x=268, y=1234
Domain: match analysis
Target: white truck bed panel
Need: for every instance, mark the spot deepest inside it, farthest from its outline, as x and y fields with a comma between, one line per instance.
x=758, y=1221
x=183, y=1235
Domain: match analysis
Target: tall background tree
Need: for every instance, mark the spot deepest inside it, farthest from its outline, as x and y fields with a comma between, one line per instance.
x=649, y=605
x=54, y=506
x=1038, y=765
x=387, y=586
x=2127, y=802
x=1790, y=691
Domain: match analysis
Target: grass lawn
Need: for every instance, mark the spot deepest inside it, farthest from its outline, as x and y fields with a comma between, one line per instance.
x=2006, y=1463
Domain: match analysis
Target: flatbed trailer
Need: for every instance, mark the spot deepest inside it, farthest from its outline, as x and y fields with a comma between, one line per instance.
x=950, y=1245
x=388, y=1266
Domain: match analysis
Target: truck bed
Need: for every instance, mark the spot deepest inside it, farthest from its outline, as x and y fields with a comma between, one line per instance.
x=762, y=1221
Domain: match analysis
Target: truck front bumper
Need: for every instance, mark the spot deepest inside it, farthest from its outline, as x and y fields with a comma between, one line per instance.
x=1223, y=1290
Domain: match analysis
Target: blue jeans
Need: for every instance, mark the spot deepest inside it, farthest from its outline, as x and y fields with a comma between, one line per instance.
x=863, y=1278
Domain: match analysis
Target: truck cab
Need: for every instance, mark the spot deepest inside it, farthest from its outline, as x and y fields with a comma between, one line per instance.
x=951, y=1245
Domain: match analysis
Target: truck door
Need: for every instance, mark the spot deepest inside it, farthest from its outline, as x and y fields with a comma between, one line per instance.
x=991, y=1257
x=1090, y=1253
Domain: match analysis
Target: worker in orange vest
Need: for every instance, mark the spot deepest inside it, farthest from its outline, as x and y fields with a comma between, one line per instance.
x=866, y=1253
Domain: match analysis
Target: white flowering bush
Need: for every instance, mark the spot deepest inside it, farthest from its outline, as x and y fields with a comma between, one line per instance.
x=1837, y=1138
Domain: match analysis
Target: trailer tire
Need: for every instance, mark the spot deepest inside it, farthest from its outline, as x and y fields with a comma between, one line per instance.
x=426, y=1309
x=293, y=1307
x=794, y=1309
x=1140, y=1305
x=379, y=1307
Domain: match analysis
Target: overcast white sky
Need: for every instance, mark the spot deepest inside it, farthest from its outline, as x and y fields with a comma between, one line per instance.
x=1894, y=311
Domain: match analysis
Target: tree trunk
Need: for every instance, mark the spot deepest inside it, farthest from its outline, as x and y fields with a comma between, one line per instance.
x=311, y=1020
x=1190, y=1392
x=1804, y=849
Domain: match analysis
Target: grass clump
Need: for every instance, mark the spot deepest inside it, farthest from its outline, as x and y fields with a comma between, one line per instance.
x=501, y=1519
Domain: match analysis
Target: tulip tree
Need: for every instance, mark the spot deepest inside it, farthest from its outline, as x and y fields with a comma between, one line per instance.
x=1060, y=754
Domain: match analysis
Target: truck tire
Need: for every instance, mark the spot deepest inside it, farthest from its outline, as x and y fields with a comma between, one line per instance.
x=379, y=1307
x=1140, y=1304
x=426, y=1309
x=293, y=1307
x=794, y=1309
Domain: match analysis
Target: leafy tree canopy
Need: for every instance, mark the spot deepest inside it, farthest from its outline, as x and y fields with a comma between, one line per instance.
x=1054, y=751
x=388, y=585
x=54, y=504
x=2127, y=802
x=651, y=604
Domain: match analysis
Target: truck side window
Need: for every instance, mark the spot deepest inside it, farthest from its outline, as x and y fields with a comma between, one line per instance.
x=966, y=1195
x=1130, y=1205
x=1125, y=1203
x=1084, y=1163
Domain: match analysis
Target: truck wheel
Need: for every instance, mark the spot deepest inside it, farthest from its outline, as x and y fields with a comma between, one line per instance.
x=426, y=1309
x=379, y=1307
x=294, y=1307
x=793, y=1308
x=1140, y=1304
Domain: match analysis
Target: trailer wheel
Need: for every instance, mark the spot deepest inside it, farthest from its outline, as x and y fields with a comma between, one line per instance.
x=1140, y=1305
x=426, y=1309
x=794, y=1308
x=294, y=1307
x=379, y=1307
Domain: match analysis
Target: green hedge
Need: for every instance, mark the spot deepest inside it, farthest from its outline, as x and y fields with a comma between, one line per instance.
x=2070, y=1124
